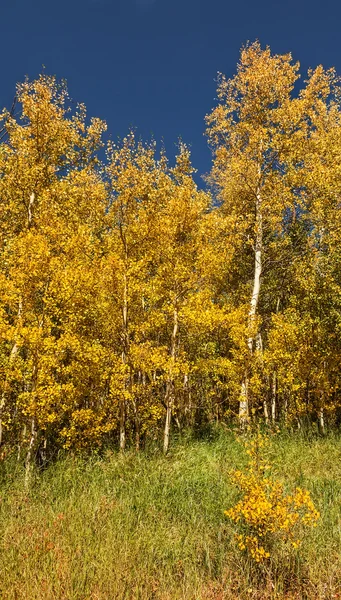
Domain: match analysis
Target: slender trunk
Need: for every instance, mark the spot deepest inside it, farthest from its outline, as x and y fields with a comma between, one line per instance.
x=30, y=209
x=244, y=401
x=169, y=399
x=321, y=421
x=13, y=354
x=137, y=425
x=125, y=362
x=187, y=400
x=285, y=408
x=167, y=428
x=137, y=437
x=141, y=380
x=43, y=452
x=177, y=421
x=122, y=424
x=266, y=412
x=244, y=396
x=273, y=397
x=30, y=453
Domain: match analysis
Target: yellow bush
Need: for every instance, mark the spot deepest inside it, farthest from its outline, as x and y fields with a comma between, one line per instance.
x=265, y=514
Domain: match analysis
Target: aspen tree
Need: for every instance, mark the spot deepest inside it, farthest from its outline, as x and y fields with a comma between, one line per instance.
x=178, y=274
x=257, y=133
x=138, y=187
x=45, y=163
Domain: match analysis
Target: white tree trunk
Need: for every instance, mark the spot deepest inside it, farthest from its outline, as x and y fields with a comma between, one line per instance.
x=244, y=396
x=13, y=354
x=273, y=397
x=266, y=412
x=30, y=209
x=321, y=421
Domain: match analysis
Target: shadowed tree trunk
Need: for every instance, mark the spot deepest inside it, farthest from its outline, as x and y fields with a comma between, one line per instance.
x=169, y=398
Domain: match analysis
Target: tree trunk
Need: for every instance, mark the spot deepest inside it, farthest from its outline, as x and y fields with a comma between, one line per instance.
x=167, y=427
x=169, y=398
x=30, y=209
x=244, y=396
x=30, y=453
x=244, y=401
x=141, y=380
x=273, y=397
x=122, y=407
x=122, y=424
x=321, y=422
x=285, y=408
x=266, y=412
x=13, y=353
x=34, y=433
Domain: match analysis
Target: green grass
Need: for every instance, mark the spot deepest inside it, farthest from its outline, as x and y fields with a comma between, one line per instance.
x=147, y=527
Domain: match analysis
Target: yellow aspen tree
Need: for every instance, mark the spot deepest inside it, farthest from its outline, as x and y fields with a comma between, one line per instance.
x=177, y=275
x=46, y=162
x=258, y=133
x=138, y=186
x=314, y=297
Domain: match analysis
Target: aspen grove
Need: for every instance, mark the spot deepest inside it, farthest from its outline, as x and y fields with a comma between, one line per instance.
x=134, y=304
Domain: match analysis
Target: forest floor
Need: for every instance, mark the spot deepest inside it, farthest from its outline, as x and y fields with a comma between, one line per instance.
x=148, y=527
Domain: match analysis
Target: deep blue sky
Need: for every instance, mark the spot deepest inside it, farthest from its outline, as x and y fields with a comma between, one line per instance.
x=152, y=64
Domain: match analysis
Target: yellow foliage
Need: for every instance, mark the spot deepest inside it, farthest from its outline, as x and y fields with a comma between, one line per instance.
x=129, y=295
x=265, y=514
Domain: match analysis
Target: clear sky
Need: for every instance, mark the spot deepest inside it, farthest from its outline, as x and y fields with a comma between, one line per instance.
x=152, y=64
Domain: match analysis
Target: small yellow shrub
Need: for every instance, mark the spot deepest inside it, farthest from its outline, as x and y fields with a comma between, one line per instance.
x=265, y=514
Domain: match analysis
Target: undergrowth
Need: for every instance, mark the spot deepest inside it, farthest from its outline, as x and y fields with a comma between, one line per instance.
x=144, y=527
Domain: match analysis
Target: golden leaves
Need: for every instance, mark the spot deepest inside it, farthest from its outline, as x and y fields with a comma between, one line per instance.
x=266, y=514
x=122, y=283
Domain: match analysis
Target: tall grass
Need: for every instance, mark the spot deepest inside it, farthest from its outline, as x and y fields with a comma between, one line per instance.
x=150, y=527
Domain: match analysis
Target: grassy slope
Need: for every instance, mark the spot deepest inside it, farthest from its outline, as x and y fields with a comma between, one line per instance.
x=149, y=527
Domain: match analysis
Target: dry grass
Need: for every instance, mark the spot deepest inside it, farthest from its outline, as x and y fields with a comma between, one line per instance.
x=147, y=527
